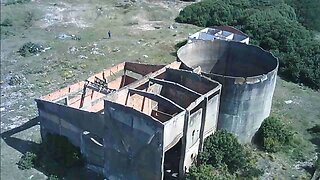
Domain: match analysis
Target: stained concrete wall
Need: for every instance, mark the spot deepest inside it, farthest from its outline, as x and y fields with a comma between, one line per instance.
x=192, y=137
x=126, y=142
x=212, y=113
x=123, y=143
x=210, y=90
x=134, y=144
x=248, y=76
x=173, y=130
x=77, y=125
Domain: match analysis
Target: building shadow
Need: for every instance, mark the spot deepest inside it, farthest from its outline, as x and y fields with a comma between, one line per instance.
x=48, y=168
x=316, y=141
x=19, y=144
x=315, y=133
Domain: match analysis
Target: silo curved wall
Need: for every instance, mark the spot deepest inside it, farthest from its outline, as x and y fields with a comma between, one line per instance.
x=248, y=77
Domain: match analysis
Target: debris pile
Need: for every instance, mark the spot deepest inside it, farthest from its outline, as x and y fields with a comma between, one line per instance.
x=64, y=36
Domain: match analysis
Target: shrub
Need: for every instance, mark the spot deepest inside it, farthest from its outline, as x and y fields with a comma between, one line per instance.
x=11, y=2
x=28, y=19
x=53, y=177
x=222, y=149
x=15, y=80
x=180, y=44
x=6, y=22
x=273, y=25
x=62, y=151
x=30, y=48
x=273, y=135
x=27, y=161
x=208, y=172
x=308, y=12
x=54, y=156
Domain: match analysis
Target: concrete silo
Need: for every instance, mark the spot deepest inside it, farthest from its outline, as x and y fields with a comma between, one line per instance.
x=248, y=77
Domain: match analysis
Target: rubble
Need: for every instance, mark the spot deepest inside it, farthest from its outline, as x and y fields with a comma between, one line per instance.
x=64, y=36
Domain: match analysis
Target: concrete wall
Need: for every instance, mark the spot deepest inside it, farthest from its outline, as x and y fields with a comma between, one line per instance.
x=248, y=76
x=139, y=123
x=134, y=144
x=121, y=139
x=192, y=137
x=76, y=125
x=212, y=113
x=173, y=130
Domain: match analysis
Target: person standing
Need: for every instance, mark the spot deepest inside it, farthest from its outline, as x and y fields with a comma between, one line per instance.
x=109, y=34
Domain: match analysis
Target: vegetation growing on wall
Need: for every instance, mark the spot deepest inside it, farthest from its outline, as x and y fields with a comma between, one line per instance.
x=271, y=24
x=224, y=155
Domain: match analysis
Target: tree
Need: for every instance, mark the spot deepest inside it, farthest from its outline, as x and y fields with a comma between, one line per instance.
x=222, y=149
x=271, y=24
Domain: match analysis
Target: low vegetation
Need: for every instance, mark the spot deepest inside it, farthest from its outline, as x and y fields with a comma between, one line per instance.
x=12, y=2
x=55, y=156
x=272, y=25
x=308, y=12
x=6, y=22
x=224, y=157
x=208, y=172
x=27, y=161
x=30, y=48
x=273, y=135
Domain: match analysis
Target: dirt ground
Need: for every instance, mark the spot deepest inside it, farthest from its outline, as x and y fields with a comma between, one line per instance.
x=142, y=31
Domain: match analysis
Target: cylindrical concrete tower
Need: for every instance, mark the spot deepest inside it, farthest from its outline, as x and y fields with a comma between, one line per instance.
x=248, y=77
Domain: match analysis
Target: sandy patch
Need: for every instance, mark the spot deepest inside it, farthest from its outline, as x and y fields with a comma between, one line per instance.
x=64, y=14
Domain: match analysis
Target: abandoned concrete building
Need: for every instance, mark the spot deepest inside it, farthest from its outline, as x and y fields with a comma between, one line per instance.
x=142, y=121
x=226, y=33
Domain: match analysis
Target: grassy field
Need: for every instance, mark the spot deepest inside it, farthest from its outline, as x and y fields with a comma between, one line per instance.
x=140, y=32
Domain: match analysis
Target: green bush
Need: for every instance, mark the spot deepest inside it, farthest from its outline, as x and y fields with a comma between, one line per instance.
x=222, y=149
x=28, y=19
x=6, y=22
x=208, y=172
x=62, y=151
x=273, y=135
x=55, y=156
x=30, y=48
x=271, y=24
x=11, y=2
x=27, y=161
x=180, y=44
x=53, y=177
x=308, y=12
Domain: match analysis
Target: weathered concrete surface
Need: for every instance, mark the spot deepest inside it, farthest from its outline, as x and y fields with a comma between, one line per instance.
x=248, y=76
x=134, y=132
x=133, y=144
x=189, y=91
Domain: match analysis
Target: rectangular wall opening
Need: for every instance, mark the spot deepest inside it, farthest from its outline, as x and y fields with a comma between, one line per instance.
x=171, y=161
